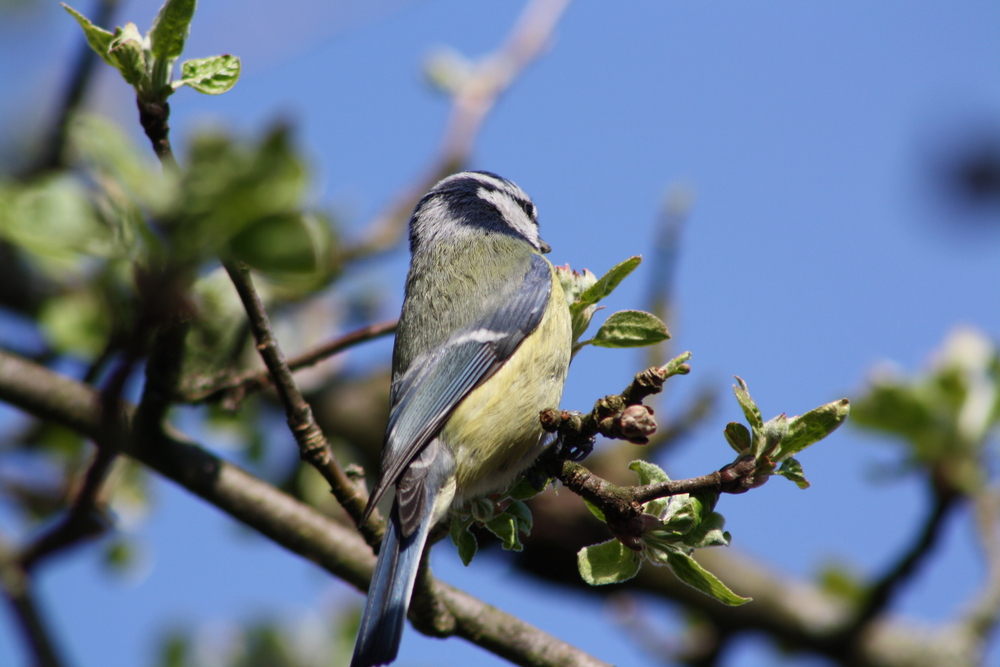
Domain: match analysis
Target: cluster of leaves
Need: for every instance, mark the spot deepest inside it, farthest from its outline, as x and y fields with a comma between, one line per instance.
x=673, y=527
x=506, y=516
x=626, y=328
x=946, y=417
x=147, y=62
x=772, y=444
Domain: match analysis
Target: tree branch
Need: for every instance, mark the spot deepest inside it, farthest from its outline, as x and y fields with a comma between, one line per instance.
x=288, y=522
x=882, y=591
x=15, y=582
x=984, y=614
x=625, y=418
x=313, y=447
x=231, y=389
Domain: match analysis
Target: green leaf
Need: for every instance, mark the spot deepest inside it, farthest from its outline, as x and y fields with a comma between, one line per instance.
x=750, y=409
x=482, y=509
x=648, y=473
x=171, y=28
x=504, y=526
x=773, y=433
x=631, y=328
x=812, y=427
x=737, y=436
x=708, y=533
x=463, y=539
x=284, y=243
x=595, y=510
x=523, y=489
x=682, y=512
x=98, y=38
x=211, y=76
x=53, y=218
x=522, y=517
x=607, y=283
x=792, y=470
x=126, y=48
x=102, y=146
x=230, y=186
x=691, y=573
x=607, y=563
x=75, y=322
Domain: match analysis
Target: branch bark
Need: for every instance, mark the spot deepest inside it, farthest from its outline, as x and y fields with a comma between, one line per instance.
x=231, y=390
x=313, y=447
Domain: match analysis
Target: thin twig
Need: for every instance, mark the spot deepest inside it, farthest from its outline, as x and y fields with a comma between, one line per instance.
x=232, y=389
x=313, y=447
x=16, y=584
x=471, y=103
x=619, y=416
x=881, y=593
x=87, y=518
x=154, y=117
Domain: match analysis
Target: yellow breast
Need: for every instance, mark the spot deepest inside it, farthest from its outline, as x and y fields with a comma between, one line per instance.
x=494, y=432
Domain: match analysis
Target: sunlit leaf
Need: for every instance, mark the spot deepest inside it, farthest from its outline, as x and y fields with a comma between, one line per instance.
x=813, y=426
x=607, y=283
x=98, y=38
x=631, y=328
x=211, y=76
x=171, y=28
x=691, y=573
x=607, y=563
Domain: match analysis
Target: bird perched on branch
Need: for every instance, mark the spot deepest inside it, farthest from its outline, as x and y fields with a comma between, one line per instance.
x=483, y=345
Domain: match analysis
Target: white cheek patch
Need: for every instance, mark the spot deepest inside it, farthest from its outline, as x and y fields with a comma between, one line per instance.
x=512, y=214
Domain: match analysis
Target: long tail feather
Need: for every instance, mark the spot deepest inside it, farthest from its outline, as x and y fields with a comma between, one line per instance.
x=389, y=594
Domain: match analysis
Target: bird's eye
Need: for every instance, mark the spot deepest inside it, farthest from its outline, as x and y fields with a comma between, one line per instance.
x=528, y=208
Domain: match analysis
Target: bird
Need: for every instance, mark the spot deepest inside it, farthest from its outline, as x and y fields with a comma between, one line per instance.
x=482, y=346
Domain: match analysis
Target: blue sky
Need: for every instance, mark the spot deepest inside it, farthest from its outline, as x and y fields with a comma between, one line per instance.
x=815, y=249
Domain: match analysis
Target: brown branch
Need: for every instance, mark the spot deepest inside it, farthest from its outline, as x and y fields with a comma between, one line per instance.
x=472, y=101
x=154, y=117
x=313, y=447
x=888, y=584
x=285, y=520
x=87, y=517
x=16, y=585
x=622, y=506
x=232, y=389
x=624, y=417
x=984, y=614
x=85, y=520
x=621, y=416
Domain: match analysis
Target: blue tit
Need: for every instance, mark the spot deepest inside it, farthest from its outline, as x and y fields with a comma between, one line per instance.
x=483, y=345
